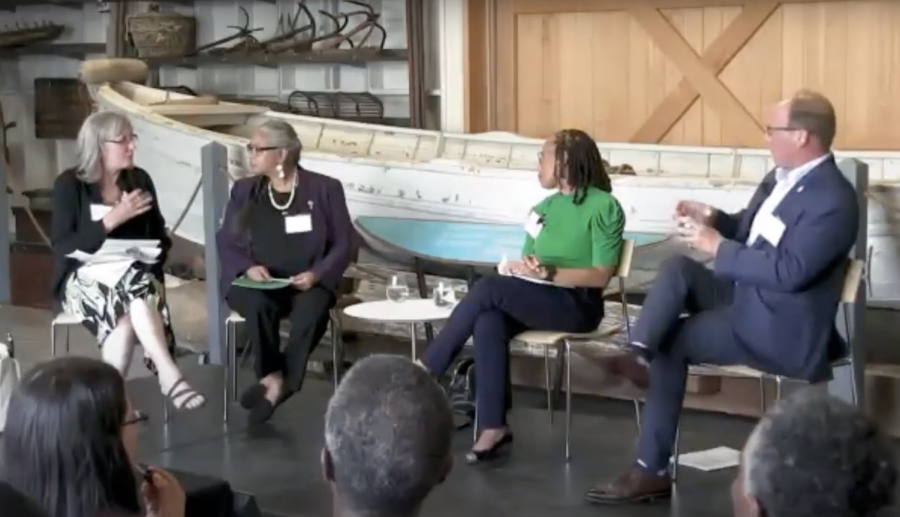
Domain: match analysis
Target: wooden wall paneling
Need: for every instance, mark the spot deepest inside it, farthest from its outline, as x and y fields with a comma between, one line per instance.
x=695, y=70
x=632, y=76
x=713, y=61
x=505, y=90
x=477, y=53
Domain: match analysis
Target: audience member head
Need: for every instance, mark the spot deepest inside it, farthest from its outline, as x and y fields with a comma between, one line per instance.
x=801, y=129
x=106, y=143
x=274, y=149
x=570, y=161
x=69, y=439
x=387, y=438
x=814, y=456
x=16, y=504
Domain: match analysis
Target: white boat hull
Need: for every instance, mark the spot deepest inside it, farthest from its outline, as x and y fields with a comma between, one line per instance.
x=489, y=177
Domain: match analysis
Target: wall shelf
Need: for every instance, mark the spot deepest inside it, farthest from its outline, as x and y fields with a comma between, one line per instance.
x=11, y=5
x=335, y=57
x=73, y=50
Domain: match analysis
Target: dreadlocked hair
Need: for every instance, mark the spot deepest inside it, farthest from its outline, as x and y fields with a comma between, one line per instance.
x=579, y=163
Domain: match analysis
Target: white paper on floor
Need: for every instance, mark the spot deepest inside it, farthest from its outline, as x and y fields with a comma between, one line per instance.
x=711, y=459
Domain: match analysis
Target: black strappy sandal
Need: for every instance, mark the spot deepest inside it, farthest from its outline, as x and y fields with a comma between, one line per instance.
x=185, y=395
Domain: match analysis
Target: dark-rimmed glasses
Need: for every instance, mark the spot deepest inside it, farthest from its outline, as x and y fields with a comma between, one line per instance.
x=136, y=417
x=252, y=149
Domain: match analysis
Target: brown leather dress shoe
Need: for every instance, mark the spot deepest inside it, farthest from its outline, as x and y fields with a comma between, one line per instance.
x=630, y=367
x=632, y=486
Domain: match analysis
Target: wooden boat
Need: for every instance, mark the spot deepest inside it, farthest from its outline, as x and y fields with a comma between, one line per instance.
x=430, y=175
x=455, y=249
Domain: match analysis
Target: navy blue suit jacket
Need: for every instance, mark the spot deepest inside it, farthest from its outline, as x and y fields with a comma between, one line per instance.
x=332, y=229
x=786, y=296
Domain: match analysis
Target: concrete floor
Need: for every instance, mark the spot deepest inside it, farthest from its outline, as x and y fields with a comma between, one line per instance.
x=279, y=463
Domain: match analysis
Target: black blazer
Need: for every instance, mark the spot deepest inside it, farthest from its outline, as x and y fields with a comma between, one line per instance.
x=73, y=229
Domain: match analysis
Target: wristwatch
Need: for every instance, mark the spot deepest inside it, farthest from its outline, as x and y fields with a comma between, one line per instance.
x=551, y=273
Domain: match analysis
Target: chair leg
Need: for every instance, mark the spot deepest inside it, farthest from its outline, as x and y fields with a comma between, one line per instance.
x=624, y=298
x=675, y=453
x=853, y=393
x=337, y=352
x=227, y=372
x=778, y=387
x=637, y=414
x=52, y=340
x=567, y=358
x=234, y=363
x=67, y=339
x=547, y=386
x=166, y=415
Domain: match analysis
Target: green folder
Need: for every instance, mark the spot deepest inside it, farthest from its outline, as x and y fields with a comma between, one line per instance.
x=275, y=283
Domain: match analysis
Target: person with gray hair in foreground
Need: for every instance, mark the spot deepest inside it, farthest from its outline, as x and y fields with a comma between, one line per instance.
x=388, y=431
x=815, y=456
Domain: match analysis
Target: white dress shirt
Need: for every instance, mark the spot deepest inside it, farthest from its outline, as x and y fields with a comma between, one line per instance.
x=785, y=181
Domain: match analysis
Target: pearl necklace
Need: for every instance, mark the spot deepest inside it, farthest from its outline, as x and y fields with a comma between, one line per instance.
x=283, y=208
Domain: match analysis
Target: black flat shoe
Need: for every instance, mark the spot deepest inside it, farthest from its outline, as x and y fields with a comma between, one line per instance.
x=253, y=396
x=496, y=451
x=264, y=409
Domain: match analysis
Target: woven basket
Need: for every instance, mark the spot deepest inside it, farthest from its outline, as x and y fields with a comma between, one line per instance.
x=159, y=35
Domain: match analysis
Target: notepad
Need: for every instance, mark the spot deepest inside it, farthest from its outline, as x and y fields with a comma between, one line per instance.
x=249, y=283
x=711, y=459
x=109, y=264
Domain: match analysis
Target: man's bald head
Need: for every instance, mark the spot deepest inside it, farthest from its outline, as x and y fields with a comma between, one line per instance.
x=813, y=112
x=800, y=129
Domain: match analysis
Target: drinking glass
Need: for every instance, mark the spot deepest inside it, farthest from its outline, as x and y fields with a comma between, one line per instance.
x=397, y=290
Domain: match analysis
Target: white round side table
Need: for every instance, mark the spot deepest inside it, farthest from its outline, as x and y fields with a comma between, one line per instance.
x=411, y=311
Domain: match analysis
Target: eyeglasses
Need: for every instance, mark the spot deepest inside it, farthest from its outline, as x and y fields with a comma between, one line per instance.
x=124, y=140
x=252, y=149
x=136, y=417
x=775, y=129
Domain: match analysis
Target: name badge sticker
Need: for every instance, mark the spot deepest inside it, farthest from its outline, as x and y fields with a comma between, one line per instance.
x=300, y=223
x=534, y=224
x=99, y=211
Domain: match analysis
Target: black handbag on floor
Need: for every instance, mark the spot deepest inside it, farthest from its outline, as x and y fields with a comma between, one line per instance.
x=461, y=393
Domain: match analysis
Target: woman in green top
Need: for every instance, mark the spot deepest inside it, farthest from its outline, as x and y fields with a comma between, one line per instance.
x=571, y=251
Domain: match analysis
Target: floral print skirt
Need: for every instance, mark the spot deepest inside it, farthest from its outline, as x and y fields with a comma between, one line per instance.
x=100, y=306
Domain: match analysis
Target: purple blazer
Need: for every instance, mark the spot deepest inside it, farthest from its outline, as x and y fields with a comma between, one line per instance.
x=329, y=205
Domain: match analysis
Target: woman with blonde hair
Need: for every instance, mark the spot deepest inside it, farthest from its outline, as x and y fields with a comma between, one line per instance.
x=106, y=196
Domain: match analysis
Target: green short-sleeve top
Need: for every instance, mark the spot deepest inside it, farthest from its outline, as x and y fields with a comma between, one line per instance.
x=578, y=236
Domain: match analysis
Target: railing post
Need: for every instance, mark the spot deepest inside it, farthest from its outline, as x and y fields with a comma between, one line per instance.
x=857, y=172
x=214, y=166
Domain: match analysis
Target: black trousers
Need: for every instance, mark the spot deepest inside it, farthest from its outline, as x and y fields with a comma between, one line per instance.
x=495, y=310
x=705, y=336
x=307, y=312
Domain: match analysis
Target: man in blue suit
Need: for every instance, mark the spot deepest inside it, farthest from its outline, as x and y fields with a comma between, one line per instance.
x=769, y=301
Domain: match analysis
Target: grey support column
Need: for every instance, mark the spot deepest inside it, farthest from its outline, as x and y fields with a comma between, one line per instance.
x=214, y=166
x=857, y=173
x=5, y=297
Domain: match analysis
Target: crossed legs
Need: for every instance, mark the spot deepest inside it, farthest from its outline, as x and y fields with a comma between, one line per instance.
x=143, y=324
x=495, y=310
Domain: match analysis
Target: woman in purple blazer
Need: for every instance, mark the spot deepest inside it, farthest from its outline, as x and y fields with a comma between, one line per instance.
x=282, y=223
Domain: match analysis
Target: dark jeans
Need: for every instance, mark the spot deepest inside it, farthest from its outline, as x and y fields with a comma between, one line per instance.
x=495, y=310
x=307, y=312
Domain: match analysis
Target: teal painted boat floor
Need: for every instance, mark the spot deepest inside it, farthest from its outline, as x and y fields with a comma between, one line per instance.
x=484, y=243
x=279, y=464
